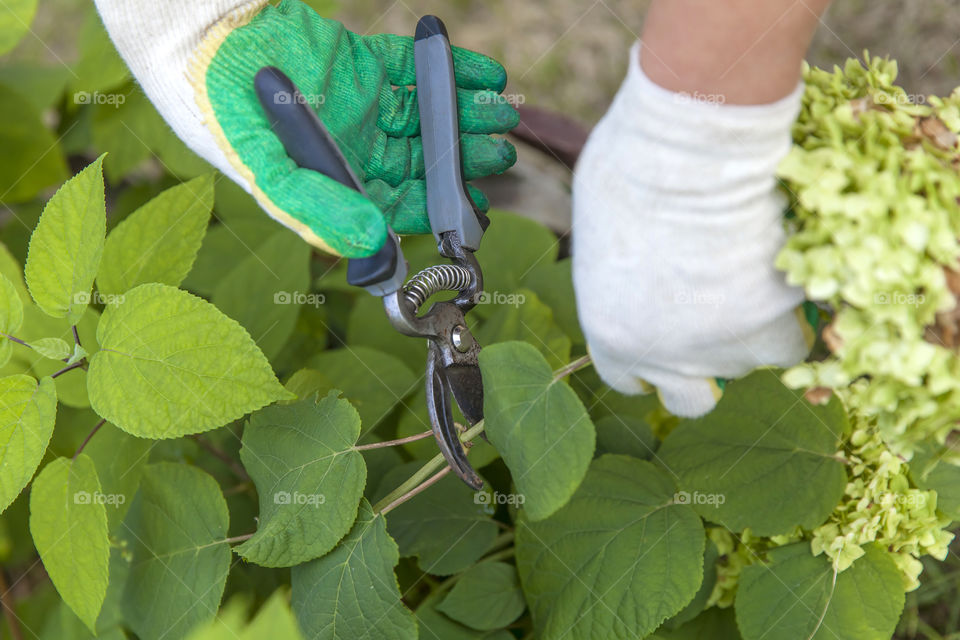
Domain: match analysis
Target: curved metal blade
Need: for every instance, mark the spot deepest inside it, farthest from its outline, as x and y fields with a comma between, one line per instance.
x=440, y=409
x=467, y=386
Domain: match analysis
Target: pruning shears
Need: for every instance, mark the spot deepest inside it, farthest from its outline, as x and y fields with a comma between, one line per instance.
x=452, y=372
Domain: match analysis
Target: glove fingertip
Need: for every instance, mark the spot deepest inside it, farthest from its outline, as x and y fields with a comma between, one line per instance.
x=690, y=398
x=478, y=71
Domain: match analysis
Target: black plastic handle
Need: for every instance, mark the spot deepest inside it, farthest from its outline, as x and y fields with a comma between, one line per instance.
x=309, y=144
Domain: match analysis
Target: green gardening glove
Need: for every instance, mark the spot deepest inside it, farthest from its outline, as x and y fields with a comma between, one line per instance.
x=360, y=87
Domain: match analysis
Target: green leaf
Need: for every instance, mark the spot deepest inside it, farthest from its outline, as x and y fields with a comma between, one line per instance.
x=159, y=241
x=68, y=521
x=712, y=624
x=523, y=317
x=221, y=246
x=266, y=288
x=512, y=247
x=15, y=19
x=27, y=414
x=447, y=526
x=120, y=459
x=373, y=382
x=72, y=386
x=798, y=595
x=308, y=476
x=65, y=247
x=177, y=528
x=696, y=606
x=929, y=471
x=40, y=82
x=273, y=620
x=621, y=556
x=78, y=353
x=538, y=425
x=32, y=158
x=485, y=597
x=52, y=348
x=11, y=316
x=627, y=435
x=171, y=364
x=764, y=458
x=434, y=625
x=352, y=592
x=553, y=283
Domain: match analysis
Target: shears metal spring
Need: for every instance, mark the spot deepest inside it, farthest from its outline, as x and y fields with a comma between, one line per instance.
x=452, y=372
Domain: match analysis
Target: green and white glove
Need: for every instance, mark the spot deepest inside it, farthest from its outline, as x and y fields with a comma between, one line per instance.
x=196, y=62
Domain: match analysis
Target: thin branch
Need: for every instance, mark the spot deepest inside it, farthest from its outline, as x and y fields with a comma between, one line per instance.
x=393, y=443
x=89, y=435
x=223, y=456
x=15, y=339
x=423, y=486
x=76, y=335
x=423, y=473
x=245, y=536
x=75, y=365
x=6, y=603
x=566, y=370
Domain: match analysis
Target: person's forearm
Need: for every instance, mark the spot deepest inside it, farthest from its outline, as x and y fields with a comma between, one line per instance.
x=738, y=51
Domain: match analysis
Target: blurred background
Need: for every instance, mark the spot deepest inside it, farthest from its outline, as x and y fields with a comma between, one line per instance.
x=562, y=56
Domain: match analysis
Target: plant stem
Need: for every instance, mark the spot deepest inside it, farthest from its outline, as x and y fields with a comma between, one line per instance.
x=6, y=603
x=576, y=365
x=392, y=499
x=393, y=443
x=499, y=555
x=75, y=365
x=89, y=435
x=76, y=335
x=423, y=486
x=245, y=536
x=15, y=339
x=223, y=456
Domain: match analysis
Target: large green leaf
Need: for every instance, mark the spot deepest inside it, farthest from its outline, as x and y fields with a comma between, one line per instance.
x=617, y=561
x=266, y=288
x=273, y=620
x=447, y=526
x=15, y=19
x=120, y=459
x=11, y=316
x=100, y=66
x=627, y=435
x=434, y=625
x=798, y=595
x=176, y=529
x=68, y=521
x=65, y=247
x=27, y=414
x=512, y=248
x=528, y=320
x=308, y=475
x=171, y=364
x=712, y=624
x=930, y=470
x=765, y=458
x=159, y=241
x=352, y=592
x=538, y=425
x=485, y=597
x=372, y=381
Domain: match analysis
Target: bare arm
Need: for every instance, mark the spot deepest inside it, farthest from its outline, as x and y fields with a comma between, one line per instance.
x=748, y=51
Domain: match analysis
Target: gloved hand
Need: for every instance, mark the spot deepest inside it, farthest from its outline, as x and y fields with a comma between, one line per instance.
x=196, y=62
x=676, y=223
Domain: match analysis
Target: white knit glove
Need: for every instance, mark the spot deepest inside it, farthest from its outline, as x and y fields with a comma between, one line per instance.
x=676, y=222
x=157, y=40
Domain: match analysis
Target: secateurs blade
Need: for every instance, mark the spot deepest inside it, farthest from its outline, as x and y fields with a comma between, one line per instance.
x=452, y=372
